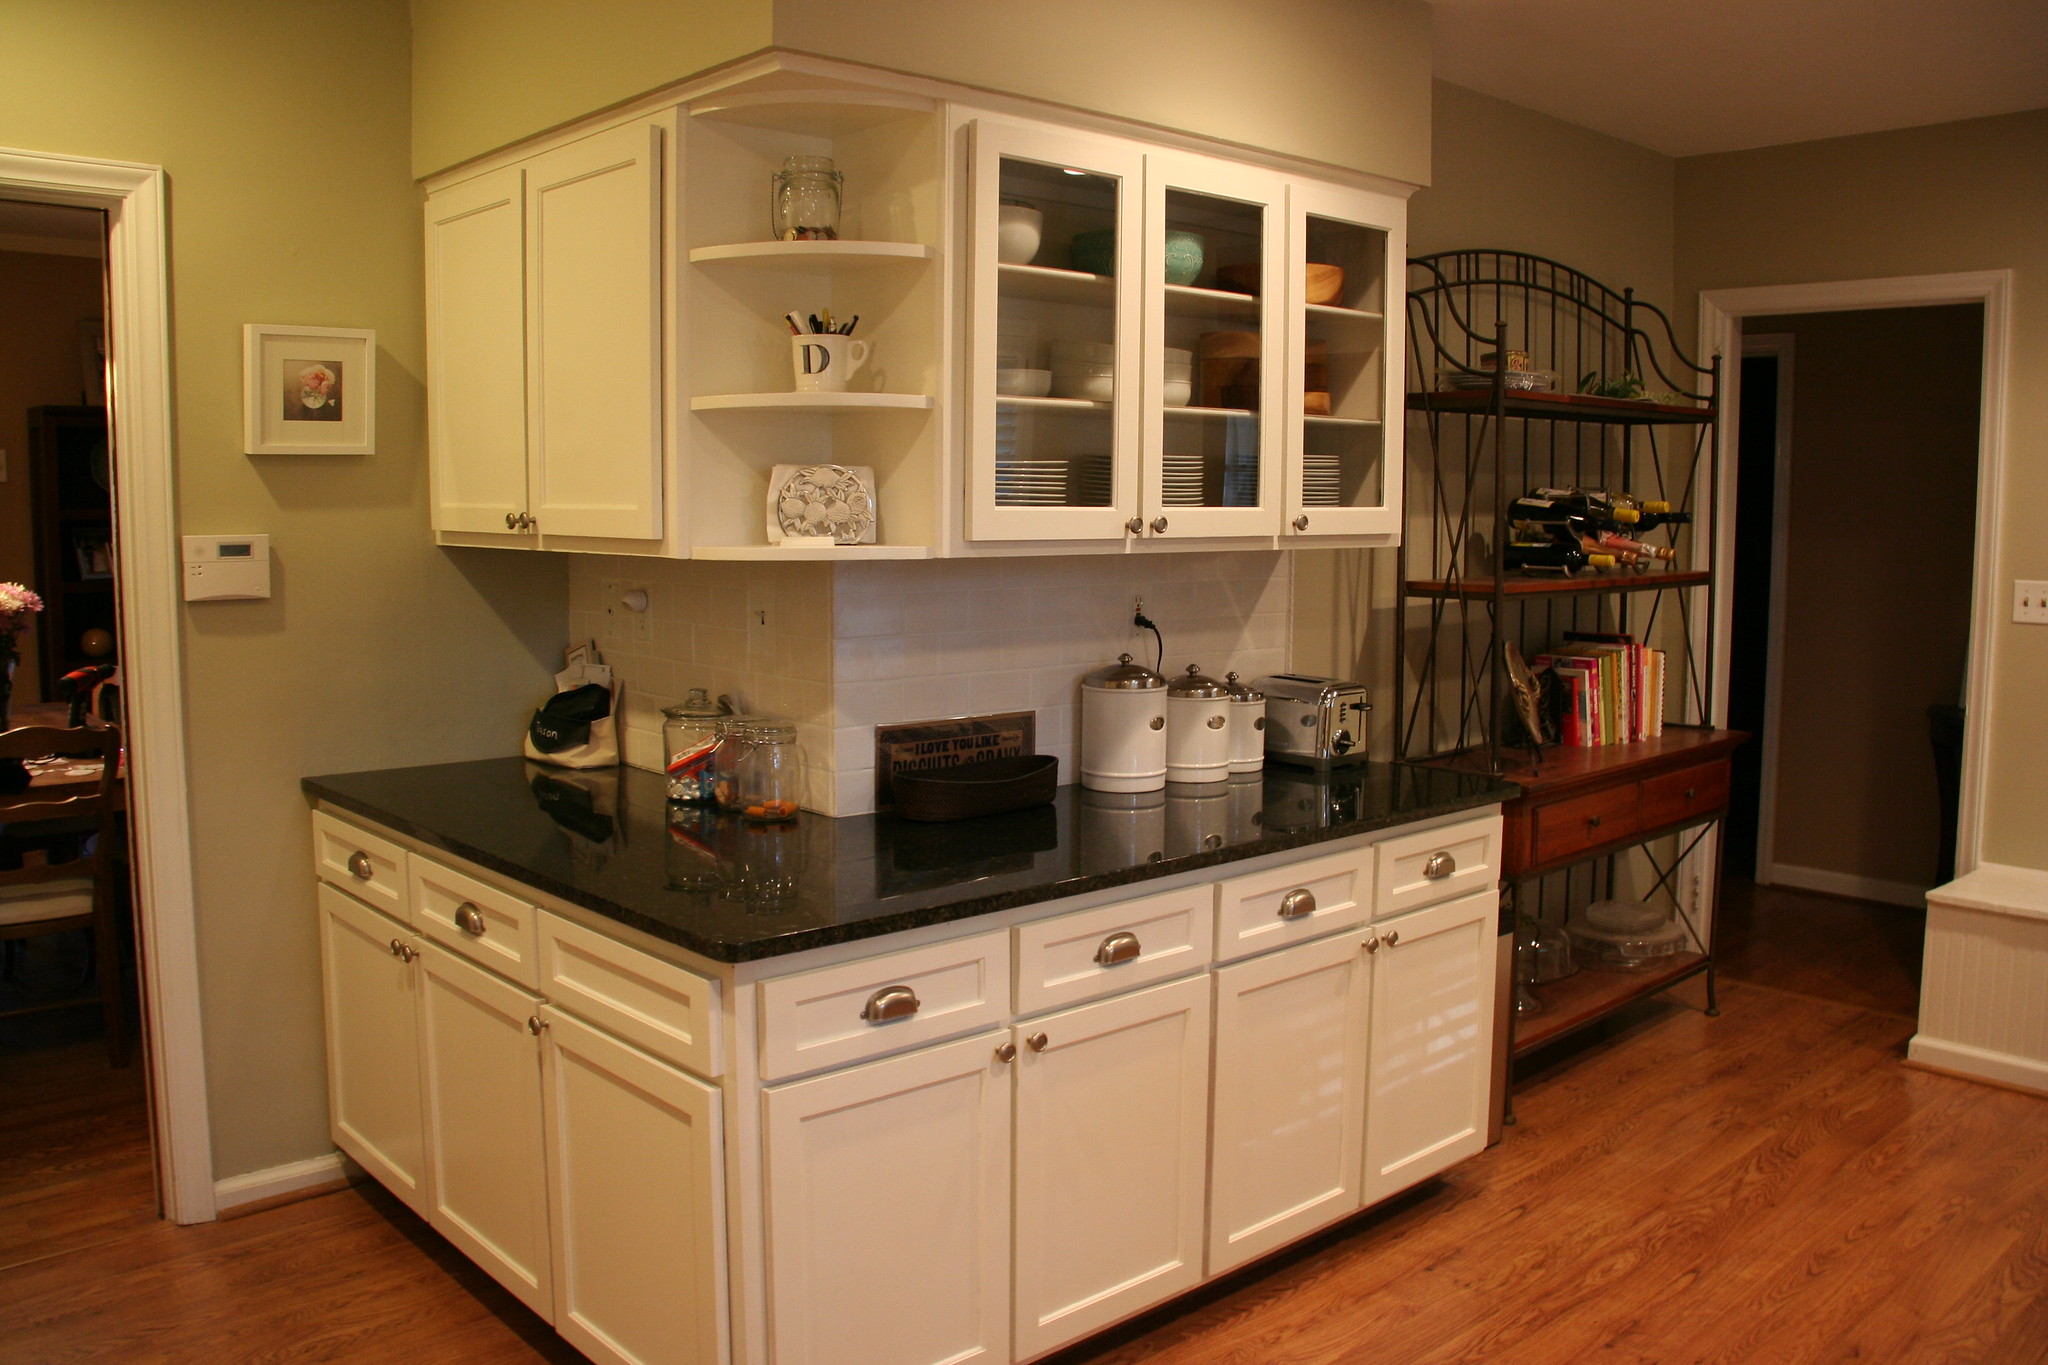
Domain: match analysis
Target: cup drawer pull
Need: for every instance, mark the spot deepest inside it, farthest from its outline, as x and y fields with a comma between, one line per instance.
x=1439, y=866
x=469, y=919
x=1117, y=948
x=359, y=866
x=891, y=1002
x=1298, y=902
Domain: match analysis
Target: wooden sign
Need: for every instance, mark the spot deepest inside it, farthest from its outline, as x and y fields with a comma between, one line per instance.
x=919, y=746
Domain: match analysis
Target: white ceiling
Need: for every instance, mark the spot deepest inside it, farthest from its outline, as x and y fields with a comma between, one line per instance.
x=1685, y=77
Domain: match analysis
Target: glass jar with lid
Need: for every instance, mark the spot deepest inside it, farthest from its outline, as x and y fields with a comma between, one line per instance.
x=804, y=205
x=689, y=733
x=760, y=769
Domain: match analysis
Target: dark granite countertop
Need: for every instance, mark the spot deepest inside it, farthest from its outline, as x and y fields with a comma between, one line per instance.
x=608, y=840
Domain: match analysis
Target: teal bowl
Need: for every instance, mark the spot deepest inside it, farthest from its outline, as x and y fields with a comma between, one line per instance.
x=1183, y=257
x=1094, y=252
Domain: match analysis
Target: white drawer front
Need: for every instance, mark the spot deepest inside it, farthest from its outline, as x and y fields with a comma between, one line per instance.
x=367, y=867
x=490, y=927
x=814, y=1019
x=1438, y=864
x=657, y=1005
x=1263, y=911
x=1070, y=958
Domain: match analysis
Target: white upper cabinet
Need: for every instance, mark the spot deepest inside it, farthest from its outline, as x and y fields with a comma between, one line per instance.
x=1055, y=348
x=1346, y=283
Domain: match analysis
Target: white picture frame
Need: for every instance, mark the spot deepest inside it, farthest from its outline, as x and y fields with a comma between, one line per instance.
x=309, y=390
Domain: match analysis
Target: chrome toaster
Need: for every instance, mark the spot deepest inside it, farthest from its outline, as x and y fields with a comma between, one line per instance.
x=1315, y=722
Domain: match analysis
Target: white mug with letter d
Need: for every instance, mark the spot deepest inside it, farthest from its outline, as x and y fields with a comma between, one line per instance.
x=825, y=361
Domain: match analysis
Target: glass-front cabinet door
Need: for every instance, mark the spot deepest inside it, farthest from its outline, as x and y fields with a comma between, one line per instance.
x=1343, y=394
x=1215, y=294
x=1054, y=353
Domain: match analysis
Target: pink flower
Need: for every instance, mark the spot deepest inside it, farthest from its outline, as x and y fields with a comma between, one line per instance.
x=17, y=604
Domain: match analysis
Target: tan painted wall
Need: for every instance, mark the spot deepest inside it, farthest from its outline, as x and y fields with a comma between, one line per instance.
x=42, y=300
x=1957, y=196
x=284, y=132
x=1502, y=176
x=1880, y=535
x=489, y=72
x=1340, y=81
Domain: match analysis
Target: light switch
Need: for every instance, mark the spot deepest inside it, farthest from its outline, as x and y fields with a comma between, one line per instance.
x=223, y=568
x=2030, y=602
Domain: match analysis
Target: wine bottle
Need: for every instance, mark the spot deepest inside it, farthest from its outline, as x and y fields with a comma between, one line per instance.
x=1587, y=504
x=1627, y=559
x=1555, y=556
x=1619, y=544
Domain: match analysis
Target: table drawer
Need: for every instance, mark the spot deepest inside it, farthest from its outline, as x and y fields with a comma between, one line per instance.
x=1070, y=958
x=367, y=867
x=1564, y=828
x=1432, y=865
x=491, y=928
x=1686, y=795
x=1261, y=911
x=664, y=1009
x=842, y=1014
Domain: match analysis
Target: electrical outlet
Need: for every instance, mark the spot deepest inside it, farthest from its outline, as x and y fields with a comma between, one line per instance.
x=2030, y=602
x=636, y=608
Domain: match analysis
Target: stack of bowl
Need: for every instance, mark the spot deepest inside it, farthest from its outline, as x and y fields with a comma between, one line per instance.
x=1084, y=369
x=1180, y=378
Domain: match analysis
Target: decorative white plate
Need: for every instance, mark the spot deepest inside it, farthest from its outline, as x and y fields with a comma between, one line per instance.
x=809, y=503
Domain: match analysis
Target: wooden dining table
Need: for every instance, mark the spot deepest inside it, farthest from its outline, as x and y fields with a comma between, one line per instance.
x=51, y=773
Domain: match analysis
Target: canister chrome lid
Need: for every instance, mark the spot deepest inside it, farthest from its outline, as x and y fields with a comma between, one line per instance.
x=1125, y=676
x=1194, y=684
x=1240, y=691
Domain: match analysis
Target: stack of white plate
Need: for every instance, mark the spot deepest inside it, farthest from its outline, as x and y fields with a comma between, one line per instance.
x=1322, y=480
x=1080, y=482
x=1006, y=432
x=1185, y=482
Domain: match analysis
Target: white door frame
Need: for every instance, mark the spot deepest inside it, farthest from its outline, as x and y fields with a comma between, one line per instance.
x=1782, y=347
x=1721, y=314
x=139, y=415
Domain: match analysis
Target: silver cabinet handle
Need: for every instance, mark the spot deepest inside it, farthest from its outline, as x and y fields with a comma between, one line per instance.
x=1159, y=526
x=469, y=919
x=1372, y=945
x=1036, y=1042
x=1216, y=722
x=359, y=866
x=536, y=1025
x=1136, y=525
x=408, y=952
x=1006, y=1052
x=397, y=950
x=891, y=1002
x=1439, y=866
x=511, y=521
x=1118, y=948
x=1301, y=522
x=1393, y=937
x=526, y=521
x=1298, y=902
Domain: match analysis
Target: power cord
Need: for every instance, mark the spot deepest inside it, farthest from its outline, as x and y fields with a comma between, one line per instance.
x=1143, y=622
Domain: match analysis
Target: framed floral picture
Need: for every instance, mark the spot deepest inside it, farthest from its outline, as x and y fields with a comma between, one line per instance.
x=309, y=390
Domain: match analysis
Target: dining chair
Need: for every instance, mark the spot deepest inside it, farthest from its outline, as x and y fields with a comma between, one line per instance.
x=42, y=897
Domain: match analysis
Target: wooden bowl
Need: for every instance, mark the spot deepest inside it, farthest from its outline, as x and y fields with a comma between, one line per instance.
x=1320, y=283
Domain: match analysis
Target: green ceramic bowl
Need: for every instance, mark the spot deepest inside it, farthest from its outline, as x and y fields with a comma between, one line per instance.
x=1183, y=257
x=1095, y=252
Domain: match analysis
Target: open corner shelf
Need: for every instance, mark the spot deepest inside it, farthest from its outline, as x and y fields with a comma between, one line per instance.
x=1517, y=586
x=1049, y=285
x=1587, y=995
x=1562, y=407
x=810, y=402
x=825, y=111
x=811, y=553
x=840, y=255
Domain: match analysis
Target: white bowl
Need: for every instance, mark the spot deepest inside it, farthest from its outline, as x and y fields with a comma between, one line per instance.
x=1096, y=388
x=1018, y=230
x=1021, y=383
x=1176, y=356
x=1069, y=353
x=1176, y=393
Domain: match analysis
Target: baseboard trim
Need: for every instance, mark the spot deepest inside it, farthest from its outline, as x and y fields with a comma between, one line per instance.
x=1978, y=1064
x=1848, y=884
x=265, y=1189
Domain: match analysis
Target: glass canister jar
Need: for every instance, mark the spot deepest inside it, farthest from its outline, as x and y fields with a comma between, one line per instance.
x=804, y=204
x=760, y=769
x=689, y=733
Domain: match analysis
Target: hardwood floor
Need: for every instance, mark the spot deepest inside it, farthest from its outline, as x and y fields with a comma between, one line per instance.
x=1770, y=1186
x=1836, y=948
x=75, y=1165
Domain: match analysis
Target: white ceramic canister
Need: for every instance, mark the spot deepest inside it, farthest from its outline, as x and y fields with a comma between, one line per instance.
x=1123, y=729
x=1197, y=729
x=1247, y=726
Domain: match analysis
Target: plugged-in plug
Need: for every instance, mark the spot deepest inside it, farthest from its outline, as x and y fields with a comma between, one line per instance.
x=1140, y=621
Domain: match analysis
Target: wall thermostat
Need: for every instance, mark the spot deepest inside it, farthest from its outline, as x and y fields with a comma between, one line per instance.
x=221, y=568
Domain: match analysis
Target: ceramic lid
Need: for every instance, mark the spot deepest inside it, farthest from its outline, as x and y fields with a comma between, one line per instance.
x=1242, y=691
x=1194, y=684
x=1124, y=676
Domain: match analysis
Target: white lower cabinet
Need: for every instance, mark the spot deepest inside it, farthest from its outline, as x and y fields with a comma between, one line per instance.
x=888, y=1210
x=1290, y=1103
x=1112, y=1135
x=371, y=990
x=1432, y=1042
x=635, y=1194
x=485, y=1151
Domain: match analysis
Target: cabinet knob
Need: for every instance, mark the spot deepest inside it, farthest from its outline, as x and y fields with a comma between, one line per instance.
x=891, y=1002
x=511, y=521
x=536, y=1025
x=1136, y=525
x=1690, y=793
x=1006, y=1052
x=527, y=521
x=1122, y=947
x=408, y=952
x=1393, y=937
x=359, y=866
x=1298, y=902
x=1159, y=526
x=1439, y=866
x=469, y=919
x=1372, y=945
x=1593, y=822
x=397, y=949
x=1301, y=522
x=1036, y=1042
